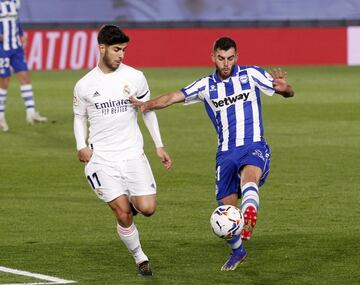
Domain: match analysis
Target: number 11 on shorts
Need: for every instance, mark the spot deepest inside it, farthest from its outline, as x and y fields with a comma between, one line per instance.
x=91, y=181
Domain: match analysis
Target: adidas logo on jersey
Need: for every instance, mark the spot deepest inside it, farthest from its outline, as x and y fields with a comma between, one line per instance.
x=96, y=94
x=230, y=100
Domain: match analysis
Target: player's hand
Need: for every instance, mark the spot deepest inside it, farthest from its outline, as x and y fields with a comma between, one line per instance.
x=279, y=79
x=138, y=104
x=164, y=157
x=280, y=84
x=85, y=154
x=23, y=40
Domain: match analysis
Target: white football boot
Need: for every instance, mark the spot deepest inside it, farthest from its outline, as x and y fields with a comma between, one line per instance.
x=3, y=125
x=33, y=118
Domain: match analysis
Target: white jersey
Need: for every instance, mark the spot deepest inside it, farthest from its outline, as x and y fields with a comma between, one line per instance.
x=114, y=133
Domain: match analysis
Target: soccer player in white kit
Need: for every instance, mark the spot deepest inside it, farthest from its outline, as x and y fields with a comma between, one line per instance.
x=116, y=166
x=231, y=96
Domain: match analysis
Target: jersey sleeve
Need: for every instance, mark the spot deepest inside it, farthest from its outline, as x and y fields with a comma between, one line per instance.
x=79, y=103
x=17, y=5
x=143, y=91
x=194, y=92
x=262, y=79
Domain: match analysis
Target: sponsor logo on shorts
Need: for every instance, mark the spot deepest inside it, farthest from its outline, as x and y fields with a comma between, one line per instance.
x=258, y=153
x=99, y=192
x=75, y=101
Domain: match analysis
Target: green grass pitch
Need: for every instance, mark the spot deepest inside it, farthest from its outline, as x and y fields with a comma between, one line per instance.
x=309, y=220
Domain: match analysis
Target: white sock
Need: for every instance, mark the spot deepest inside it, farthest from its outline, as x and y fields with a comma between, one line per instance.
x=3, y=95
x=28, y=96
x=130, y=237
x=250, y=196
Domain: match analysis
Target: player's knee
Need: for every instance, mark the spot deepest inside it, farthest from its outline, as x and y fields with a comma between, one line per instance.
x=4, y=83
x=148, y=210
x=24, y=77
x=124, y=219
x=250, y=174
x=252, y=178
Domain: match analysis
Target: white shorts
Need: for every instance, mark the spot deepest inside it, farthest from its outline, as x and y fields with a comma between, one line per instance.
x=132, y=177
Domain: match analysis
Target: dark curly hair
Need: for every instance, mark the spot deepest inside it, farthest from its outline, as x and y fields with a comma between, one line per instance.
x=111, y=35
x=224, y=43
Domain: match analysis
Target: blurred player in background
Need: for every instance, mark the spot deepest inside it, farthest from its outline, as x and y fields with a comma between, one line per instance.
x=116, y=166
x=12, y=56
x=231, y=96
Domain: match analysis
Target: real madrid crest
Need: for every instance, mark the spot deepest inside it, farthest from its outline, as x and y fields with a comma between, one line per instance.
x=126, y=90
x=75, y=101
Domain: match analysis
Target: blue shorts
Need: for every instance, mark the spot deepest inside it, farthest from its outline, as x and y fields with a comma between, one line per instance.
x=229, y=164
x=14, y=59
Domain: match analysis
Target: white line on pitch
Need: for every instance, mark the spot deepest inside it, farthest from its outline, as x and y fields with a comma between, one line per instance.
x=53, y=280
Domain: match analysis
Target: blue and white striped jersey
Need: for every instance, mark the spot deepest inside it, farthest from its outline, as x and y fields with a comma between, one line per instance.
x=10, y=28
x=233, y=105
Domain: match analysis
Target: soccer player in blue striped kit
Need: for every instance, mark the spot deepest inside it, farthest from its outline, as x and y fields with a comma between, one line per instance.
x=12, y=41
x=231, y=96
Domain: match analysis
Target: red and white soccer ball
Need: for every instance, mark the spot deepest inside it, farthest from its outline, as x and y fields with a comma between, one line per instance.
x=227, y=221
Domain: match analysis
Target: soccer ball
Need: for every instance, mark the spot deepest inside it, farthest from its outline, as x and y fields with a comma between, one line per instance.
x=227, y=221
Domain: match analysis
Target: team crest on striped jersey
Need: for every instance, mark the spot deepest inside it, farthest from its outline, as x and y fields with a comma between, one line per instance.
x=244, y=79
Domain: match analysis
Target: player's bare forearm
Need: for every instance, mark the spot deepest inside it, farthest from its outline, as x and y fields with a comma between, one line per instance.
x=159, y=102
x=164, y=101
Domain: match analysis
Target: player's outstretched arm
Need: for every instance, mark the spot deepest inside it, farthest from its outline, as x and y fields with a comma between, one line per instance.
x=159, y=102
x=280, y=84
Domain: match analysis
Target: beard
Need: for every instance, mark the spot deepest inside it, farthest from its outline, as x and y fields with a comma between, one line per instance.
x=110, y=64
x=224, y=74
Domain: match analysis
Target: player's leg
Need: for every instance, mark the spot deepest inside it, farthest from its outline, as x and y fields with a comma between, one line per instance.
x=21, y=70
x=4, y=86
x=238, y=252
x=253, y=172
x=250, y=176
x=27, y=94
x=126, y=228
x=145, y=204
x=227, y=185
x=109, y=187
x=141, y=184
